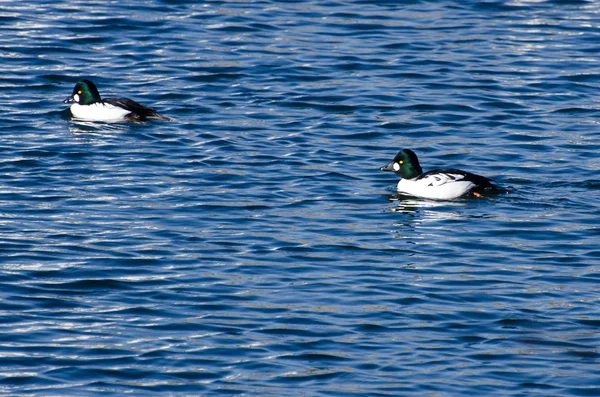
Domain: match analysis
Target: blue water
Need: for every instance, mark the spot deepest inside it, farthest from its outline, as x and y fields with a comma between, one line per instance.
x=252, y=247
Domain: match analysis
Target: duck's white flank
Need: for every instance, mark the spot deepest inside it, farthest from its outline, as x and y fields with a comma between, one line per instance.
x=99, y=112
x=440, y=186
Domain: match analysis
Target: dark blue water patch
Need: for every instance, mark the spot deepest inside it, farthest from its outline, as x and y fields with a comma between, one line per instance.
x=337, y=108
x=581, y=77
x=440, y=108
x=406, y=125
x=209, y=78
x=504, y=105
x=593, y=111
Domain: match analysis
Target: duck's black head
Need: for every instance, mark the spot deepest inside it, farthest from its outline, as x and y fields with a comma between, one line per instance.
x=406, y=164
x=84, y=93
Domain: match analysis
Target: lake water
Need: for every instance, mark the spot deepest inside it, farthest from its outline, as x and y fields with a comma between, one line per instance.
x=252, y=247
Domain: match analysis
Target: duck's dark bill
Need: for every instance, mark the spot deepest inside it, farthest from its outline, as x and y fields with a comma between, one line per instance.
x=389, y=167
x=69, y=100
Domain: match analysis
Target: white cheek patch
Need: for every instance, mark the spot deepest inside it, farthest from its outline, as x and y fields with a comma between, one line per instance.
x=396, y=167
x=76, y=98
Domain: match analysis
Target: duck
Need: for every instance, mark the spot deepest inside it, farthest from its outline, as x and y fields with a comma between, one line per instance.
x=88, y=105
x=439, y=184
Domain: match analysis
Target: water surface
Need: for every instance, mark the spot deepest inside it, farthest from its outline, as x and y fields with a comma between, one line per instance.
x=252, y=247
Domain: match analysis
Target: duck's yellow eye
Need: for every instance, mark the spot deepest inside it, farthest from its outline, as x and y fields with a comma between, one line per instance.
x=400, y=162
x=79, y=92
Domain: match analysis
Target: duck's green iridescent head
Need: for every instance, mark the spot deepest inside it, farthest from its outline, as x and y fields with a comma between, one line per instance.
x=406, y=164
x=84, y=93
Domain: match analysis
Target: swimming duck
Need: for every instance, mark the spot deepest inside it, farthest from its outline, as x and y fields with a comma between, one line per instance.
x=444, y=184
x=88, y=105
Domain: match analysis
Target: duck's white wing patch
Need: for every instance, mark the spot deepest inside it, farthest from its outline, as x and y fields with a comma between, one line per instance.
x=98, y=112
x=440, y=179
